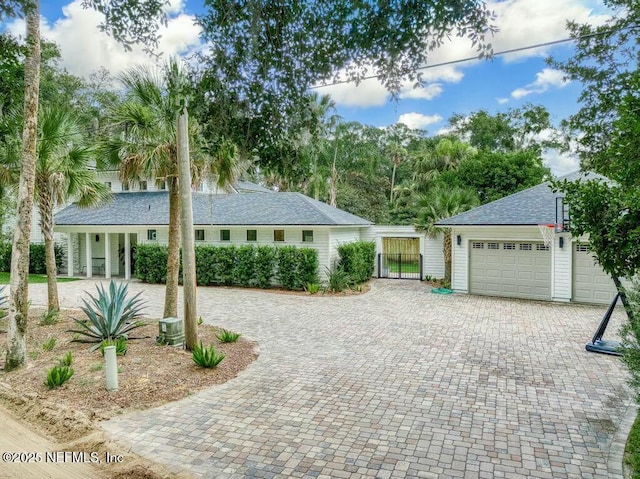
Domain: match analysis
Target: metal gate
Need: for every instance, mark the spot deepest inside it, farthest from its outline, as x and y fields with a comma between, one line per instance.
x=400, y=266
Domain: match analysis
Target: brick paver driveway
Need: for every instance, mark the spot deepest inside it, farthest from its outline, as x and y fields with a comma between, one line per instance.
x=398, y=382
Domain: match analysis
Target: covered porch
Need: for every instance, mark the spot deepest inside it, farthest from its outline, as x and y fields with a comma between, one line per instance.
x=106, y=253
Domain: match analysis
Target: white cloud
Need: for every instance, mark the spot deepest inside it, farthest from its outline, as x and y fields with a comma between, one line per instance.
x=546, y=79
x=502, y=101
x=84, y=48
x=418, y=120
x=427, y=92
x=529, y=22
x=560, y=163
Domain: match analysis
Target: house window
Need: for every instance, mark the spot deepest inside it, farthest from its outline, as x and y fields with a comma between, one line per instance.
x=509, y=246
x=278, y=235
x=143, y=186
x=152, y=235
x=125, y=186
x=493, y=245
x=162, y=185
x=107, y=184
x=252, y=235
x=199, y=235
x=477, y=245
x=525, y=246
x=307, y=236
x=225, y=235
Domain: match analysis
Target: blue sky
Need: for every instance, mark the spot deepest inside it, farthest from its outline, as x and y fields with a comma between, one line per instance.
x=505, y=82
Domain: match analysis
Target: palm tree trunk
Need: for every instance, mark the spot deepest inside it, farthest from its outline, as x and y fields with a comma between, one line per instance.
x=45, y=205
x=446, y=248
x=393, y=180
x=19, y=286
x=173, y=255
x=333, y=190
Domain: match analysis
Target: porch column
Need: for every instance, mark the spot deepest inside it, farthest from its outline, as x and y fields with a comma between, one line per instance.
x=127, y=256
x=69, y=255
x=107, y=256
x=88, y=254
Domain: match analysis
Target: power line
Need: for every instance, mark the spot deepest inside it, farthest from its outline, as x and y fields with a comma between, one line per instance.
x=468, y=59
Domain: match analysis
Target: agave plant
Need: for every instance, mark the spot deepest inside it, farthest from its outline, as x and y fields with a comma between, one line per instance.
x=110, y=315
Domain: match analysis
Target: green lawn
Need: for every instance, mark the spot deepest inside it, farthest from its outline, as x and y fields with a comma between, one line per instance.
x=36, y=278
x=406, y=268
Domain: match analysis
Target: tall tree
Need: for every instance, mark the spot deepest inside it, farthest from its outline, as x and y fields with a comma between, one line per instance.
x=441, y=203
x=264, y=56
x=62, y=174
x=143, y=145
x=119, y=21
x=607, y=61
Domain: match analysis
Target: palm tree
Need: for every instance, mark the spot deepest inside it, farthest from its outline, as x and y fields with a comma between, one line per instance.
x=447, y=155
x=62, y=174
x=439, y=203
x=145, y=146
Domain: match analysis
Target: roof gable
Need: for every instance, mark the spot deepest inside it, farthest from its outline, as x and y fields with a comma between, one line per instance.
x=533, y=206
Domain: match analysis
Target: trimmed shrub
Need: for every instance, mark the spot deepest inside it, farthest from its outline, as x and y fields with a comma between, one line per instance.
x=244, y=271
x=357, y=260
x=37, y=263
x=236, y=266
x=297, y=267
x=265, y=262
x=151, y=263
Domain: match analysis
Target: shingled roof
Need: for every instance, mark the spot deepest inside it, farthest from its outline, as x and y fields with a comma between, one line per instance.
x=533, y=206
x=152, y=208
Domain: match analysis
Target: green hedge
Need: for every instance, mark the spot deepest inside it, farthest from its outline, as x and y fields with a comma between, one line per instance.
x=151, y=263
x=297, y=267
x=252, y=266
x=37, y=263
x=357, y=260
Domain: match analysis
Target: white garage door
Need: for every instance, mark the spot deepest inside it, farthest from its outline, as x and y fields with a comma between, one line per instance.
x=515, y=269
x=590, y=283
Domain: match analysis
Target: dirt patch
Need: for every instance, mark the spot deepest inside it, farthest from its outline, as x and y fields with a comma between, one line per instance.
x=149, y=375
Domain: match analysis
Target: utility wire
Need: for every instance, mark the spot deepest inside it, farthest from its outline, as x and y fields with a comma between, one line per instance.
x=468, y=59
x=451, y=62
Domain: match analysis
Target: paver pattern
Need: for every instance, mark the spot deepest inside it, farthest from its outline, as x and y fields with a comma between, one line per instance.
x=394, y=383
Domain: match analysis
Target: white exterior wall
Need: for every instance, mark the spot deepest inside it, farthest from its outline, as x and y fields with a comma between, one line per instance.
x=460, y=254
x=561, y=268
x=337, y=237
x=433, y=257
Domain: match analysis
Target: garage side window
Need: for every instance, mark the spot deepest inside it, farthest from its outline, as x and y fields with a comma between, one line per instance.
x=152, y=235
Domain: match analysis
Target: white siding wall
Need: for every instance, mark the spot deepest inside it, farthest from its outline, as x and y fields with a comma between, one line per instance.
x=433, y=257
x=340, y=236
x=460, y=254
x=561, y=267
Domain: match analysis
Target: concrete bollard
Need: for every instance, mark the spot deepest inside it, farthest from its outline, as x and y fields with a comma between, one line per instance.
x=111, y=368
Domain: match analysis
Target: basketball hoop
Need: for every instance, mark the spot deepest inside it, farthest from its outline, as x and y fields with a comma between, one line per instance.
x=547, y=231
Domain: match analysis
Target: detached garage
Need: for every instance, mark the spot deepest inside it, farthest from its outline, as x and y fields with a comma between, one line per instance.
x=498, y=250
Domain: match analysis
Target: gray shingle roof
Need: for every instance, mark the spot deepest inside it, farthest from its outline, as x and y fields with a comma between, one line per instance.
x=533, y=206
x=242, y=186
x=152, y=208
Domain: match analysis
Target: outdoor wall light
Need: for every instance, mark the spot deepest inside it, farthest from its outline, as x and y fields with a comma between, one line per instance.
x=458, y=240
x=561, y=242
x=97, y=238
